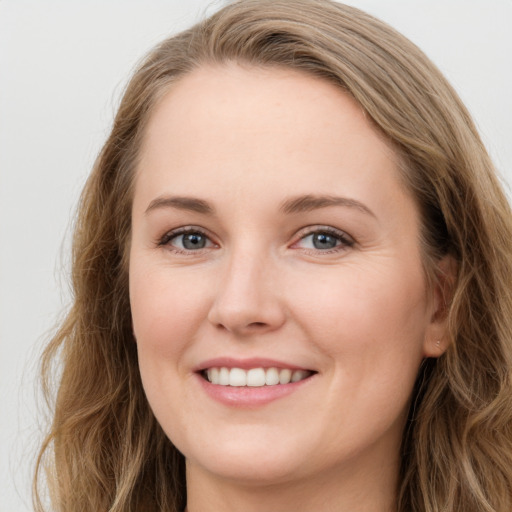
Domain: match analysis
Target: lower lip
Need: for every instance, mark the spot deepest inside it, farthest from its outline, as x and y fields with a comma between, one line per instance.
x=246, y=396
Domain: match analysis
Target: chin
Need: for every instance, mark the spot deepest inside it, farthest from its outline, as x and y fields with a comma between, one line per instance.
x=251, y=473
x=249, y=462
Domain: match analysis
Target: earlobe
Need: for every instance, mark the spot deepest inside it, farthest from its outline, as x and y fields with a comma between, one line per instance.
x=435, y=348
x=437, y=339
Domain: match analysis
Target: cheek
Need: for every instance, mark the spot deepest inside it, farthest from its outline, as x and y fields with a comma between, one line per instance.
x=370, y=323
x=166, y=313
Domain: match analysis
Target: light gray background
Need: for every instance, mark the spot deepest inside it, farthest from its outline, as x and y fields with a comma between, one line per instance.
x=63, y=65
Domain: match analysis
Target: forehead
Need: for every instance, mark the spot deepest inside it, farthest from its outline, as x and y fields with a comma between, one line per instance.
x=255, y=100
x=274, y=128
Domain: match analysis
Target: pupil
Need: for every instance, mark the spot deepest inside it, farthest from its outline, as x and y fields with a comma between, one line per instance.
x=324, y=241
x=194, y=241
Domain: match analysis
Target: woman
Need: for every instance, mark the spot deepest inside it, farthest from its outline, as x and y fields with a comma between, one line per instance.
x=292, y=282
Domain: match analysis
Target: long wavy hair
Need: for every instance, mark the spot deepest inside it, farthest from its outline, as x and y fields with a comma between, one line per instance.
x=106, y=452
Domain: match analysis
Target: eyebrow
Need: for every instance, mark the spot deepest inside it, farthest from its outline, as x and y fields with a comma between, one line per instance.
x=310, y=202
x=299, y=204
x=181, y=203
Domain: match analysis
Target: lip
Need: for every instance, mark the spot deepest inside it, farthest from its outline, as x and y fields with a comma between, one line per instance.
x=247, y=364
x=248, y=397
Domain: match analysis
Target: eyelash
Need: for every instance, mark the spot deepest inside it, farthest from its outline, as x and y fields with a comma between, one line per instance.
x=344, y=240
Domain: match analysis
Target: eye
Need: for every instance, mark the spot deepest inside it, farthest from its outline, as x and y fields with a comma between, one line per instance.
x=184, y=240
x=325, y=239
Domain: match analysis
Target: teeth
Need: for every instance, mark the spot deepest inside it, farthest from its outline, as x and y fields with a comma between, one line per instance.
x=237, y=377
x=299, y=375
x=223, y=377
x=285, y=376
x=272, y=377
x=255, y=377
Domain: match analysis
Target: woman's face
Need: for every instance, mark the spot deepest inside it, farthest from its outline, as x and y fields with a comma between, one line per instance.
x=273, y=240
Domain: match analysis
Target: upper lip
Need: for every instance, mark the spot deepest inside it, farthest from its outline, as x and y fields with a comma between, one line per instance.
x=247, y=364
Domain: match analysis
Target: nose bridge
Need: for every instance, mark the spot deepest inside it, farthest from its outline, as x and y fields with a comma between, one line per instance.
x=247, y=296
x=245, y=265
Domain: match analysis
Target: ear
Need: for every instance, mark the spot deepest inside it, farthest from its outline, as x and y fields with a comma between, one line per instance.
x=436, y=336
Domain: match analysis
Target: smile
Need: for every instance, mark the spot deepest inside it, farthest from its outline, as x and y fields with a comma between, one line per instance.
x=254, y=377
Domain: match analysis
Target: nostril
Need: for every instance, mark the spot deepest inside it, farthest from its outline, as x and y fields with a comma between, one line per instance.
x=257, y=324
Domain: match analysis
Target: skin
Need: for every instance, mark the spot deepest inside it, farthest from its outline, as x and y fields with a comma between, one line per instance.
x=359, y=314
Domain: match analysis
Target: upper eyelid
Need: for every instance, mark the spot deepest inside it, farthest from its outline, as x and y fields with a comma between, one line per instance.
x=172, y=233
x=310, y=230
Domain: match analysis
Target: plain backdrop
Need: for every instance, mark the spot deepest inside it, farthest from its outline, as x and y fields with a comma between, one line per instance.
x=63, y=65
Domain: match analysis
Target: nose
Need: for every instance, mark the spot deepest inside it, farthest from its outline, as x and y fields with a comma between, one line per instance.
x=248, y=299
